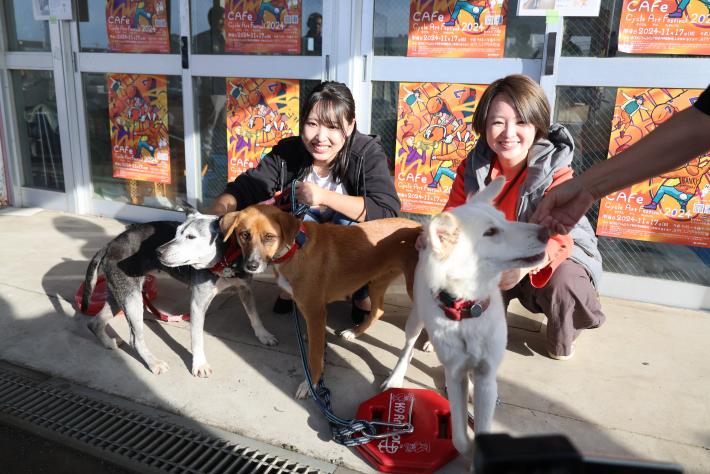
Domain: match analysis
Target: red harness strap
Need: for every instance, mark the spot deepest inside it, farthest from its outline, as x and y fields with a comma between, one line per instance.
x=457, y=309
x=297, y=244
x=231, y=254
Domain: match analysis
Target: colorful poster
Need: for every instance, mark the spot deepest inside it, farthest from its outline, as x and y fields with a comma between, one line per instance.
x=262, y=26
x=457, y=28
x=137, y=26
x=672, y=208
x=434, y=134
x=665, y=27
x=260, y=112
x=138, y=121
x=563, y=8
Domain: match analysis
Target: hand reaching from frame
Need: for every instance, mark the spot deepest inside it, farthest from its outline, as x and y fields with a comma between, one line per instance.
x=563, y=206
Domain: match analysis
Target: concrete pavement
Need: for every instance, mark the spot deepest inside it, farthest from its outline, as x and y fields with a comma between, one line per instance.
x=637, y=387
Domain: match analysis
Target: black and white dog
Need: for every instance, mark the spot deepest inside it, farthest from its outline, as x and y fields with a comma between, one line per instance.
x=192, y=252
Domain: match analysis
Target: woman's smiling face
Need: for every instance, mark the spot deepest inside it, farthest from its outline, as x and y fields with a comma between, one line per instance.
x=506, y=134
x=324, y=140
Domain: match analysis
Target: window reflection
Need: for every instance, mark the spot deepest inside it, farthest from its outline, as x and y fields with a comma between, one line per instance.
x=93, y=37
x=208, y=36
x=24, y=33
x=524, y=35
x=40, y=148
x=144, y=193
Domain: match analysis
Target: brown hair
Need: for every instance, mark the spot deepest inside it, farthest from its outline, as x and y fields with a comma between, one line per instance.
x=527, y=97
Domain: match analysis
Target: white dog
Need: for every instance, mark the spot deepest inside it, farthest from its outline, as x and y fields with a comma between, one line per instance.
x=456, y=297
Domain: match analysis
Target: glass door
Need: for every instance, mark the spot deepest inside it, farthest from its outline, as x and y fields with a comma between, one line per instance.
x=203, y=64
x=35, y=113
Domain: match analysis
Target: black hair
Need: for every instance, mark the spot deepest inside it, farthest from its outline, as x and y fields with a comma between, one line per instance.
x=311, y=22
x=337, y=109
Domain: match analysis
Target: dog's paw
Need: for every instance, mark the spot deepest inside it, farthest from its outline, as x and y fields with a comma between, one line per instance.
x=428, y=347
x=203, y=370
x=303, y=391
x=348, y=335
x=158, y=366
x=266, y=338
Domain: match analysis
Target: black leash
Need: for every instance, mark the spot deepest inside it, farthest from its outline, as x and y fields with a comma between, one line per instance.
x=348, y=432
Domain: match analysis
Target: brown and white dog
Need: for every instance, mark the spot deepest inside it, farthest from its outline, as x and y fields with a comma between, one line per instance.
x=321, y=263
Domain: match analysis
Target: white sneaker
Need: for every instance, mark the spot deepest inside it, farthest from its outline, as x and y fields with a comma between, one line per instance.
x=562, y=357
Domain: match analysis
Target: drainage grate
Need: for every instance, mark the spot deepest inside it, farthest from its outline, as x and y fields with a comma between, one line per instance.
x=138, y=438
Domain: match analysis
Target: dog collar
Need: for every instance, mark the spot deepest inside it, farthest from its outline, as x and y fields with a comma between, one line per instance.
x=458, y=309
x=297, y=244
x=228, y=266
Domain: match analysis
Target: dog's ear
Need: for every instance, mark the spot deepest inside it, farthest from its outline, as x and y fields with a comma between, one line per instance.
x=228, y=223
x=187, y=207
x=443, y=234
x=489, y=193
x=289, y=226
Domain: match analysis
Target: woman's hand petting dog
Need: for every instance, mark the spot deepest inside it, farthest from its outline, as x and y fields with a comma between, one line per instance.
x=510, y=278
x=309, y=193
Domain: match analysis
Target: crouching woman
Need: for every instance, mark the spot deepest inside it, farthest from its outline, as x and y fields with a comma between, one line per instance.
x=517, y=142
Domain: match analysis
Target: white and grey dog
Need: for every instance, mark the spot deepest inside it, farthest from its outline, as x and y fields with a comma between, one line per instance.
x=190, y=252
x=456, y=297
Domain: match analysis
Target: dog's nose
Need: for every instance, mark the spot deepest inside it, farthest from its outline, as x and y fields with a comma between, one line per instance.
x=543, y=234
x=252, y=266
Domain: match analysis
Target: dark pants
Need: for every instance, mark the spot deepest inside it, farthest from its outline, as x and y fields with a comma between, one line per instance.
x=569, y=301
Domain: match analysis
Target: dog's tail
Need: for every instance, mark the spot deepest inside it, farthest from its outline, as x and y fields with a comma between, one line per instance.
x=92, y=272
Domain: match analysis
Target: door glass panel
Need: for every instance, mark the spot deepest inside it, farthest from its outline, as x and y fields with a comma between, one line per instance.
x=208, y=36
x=93, y=35
x=133, y=191
x=38, y=127
x=524, y=35
x=588, y=113
x=24, y=33
x=599, y=36
x=211, y=121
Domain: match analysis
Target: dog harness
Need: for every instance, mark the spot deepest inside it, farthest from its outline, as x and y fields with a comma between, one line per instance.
x=300, y=241
x=228, y=266
x=458, y=309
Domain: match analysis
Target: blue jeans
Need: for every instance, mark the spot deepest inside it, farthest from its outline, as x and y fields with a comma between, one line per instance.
x=329, y=216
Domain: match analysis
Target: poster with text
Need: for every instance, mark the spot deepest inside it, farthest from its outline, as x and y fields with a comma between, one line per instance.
x=456, y=28
x=673, y=207
x=138, y=121
x=137, y=26
x=665, y=27
x=262, y=26
x=434, y=134
x=260, y=112
x=563, y=8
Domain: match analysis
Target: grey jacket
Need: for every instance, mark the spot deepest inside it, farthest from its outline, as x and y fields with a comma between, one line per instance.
x=546, y=157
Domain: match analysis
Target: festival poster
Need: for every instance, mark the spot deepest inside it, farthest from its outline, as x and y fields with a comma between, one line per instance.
x=434, y=134
x=137, y=26
x=138, y=121
x=260, y=112
x=665, y=27
x=262, y=26
x=457, y=28
x=671, y=208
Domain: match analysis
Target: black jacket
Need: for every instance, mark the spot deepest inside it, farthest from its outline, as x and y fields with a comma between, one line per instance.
x=367, y=175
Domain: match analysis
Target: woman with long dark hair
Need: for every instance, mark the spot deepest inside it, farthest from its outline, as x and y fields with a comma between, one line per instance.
x=340, y=173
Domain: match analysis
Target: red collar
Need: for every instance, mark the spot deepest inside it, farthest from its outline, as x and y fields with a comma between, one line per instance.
x=231, y=254
x=297, y=244
x=458, y=309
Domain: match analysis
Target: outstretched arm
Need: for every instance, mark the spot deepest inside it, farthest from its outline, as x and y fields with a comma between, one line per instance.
x=683, y=137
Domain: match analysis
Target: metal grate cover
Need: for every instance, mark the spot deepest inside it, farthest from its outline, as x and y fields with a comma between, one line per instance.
x=123, y=435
